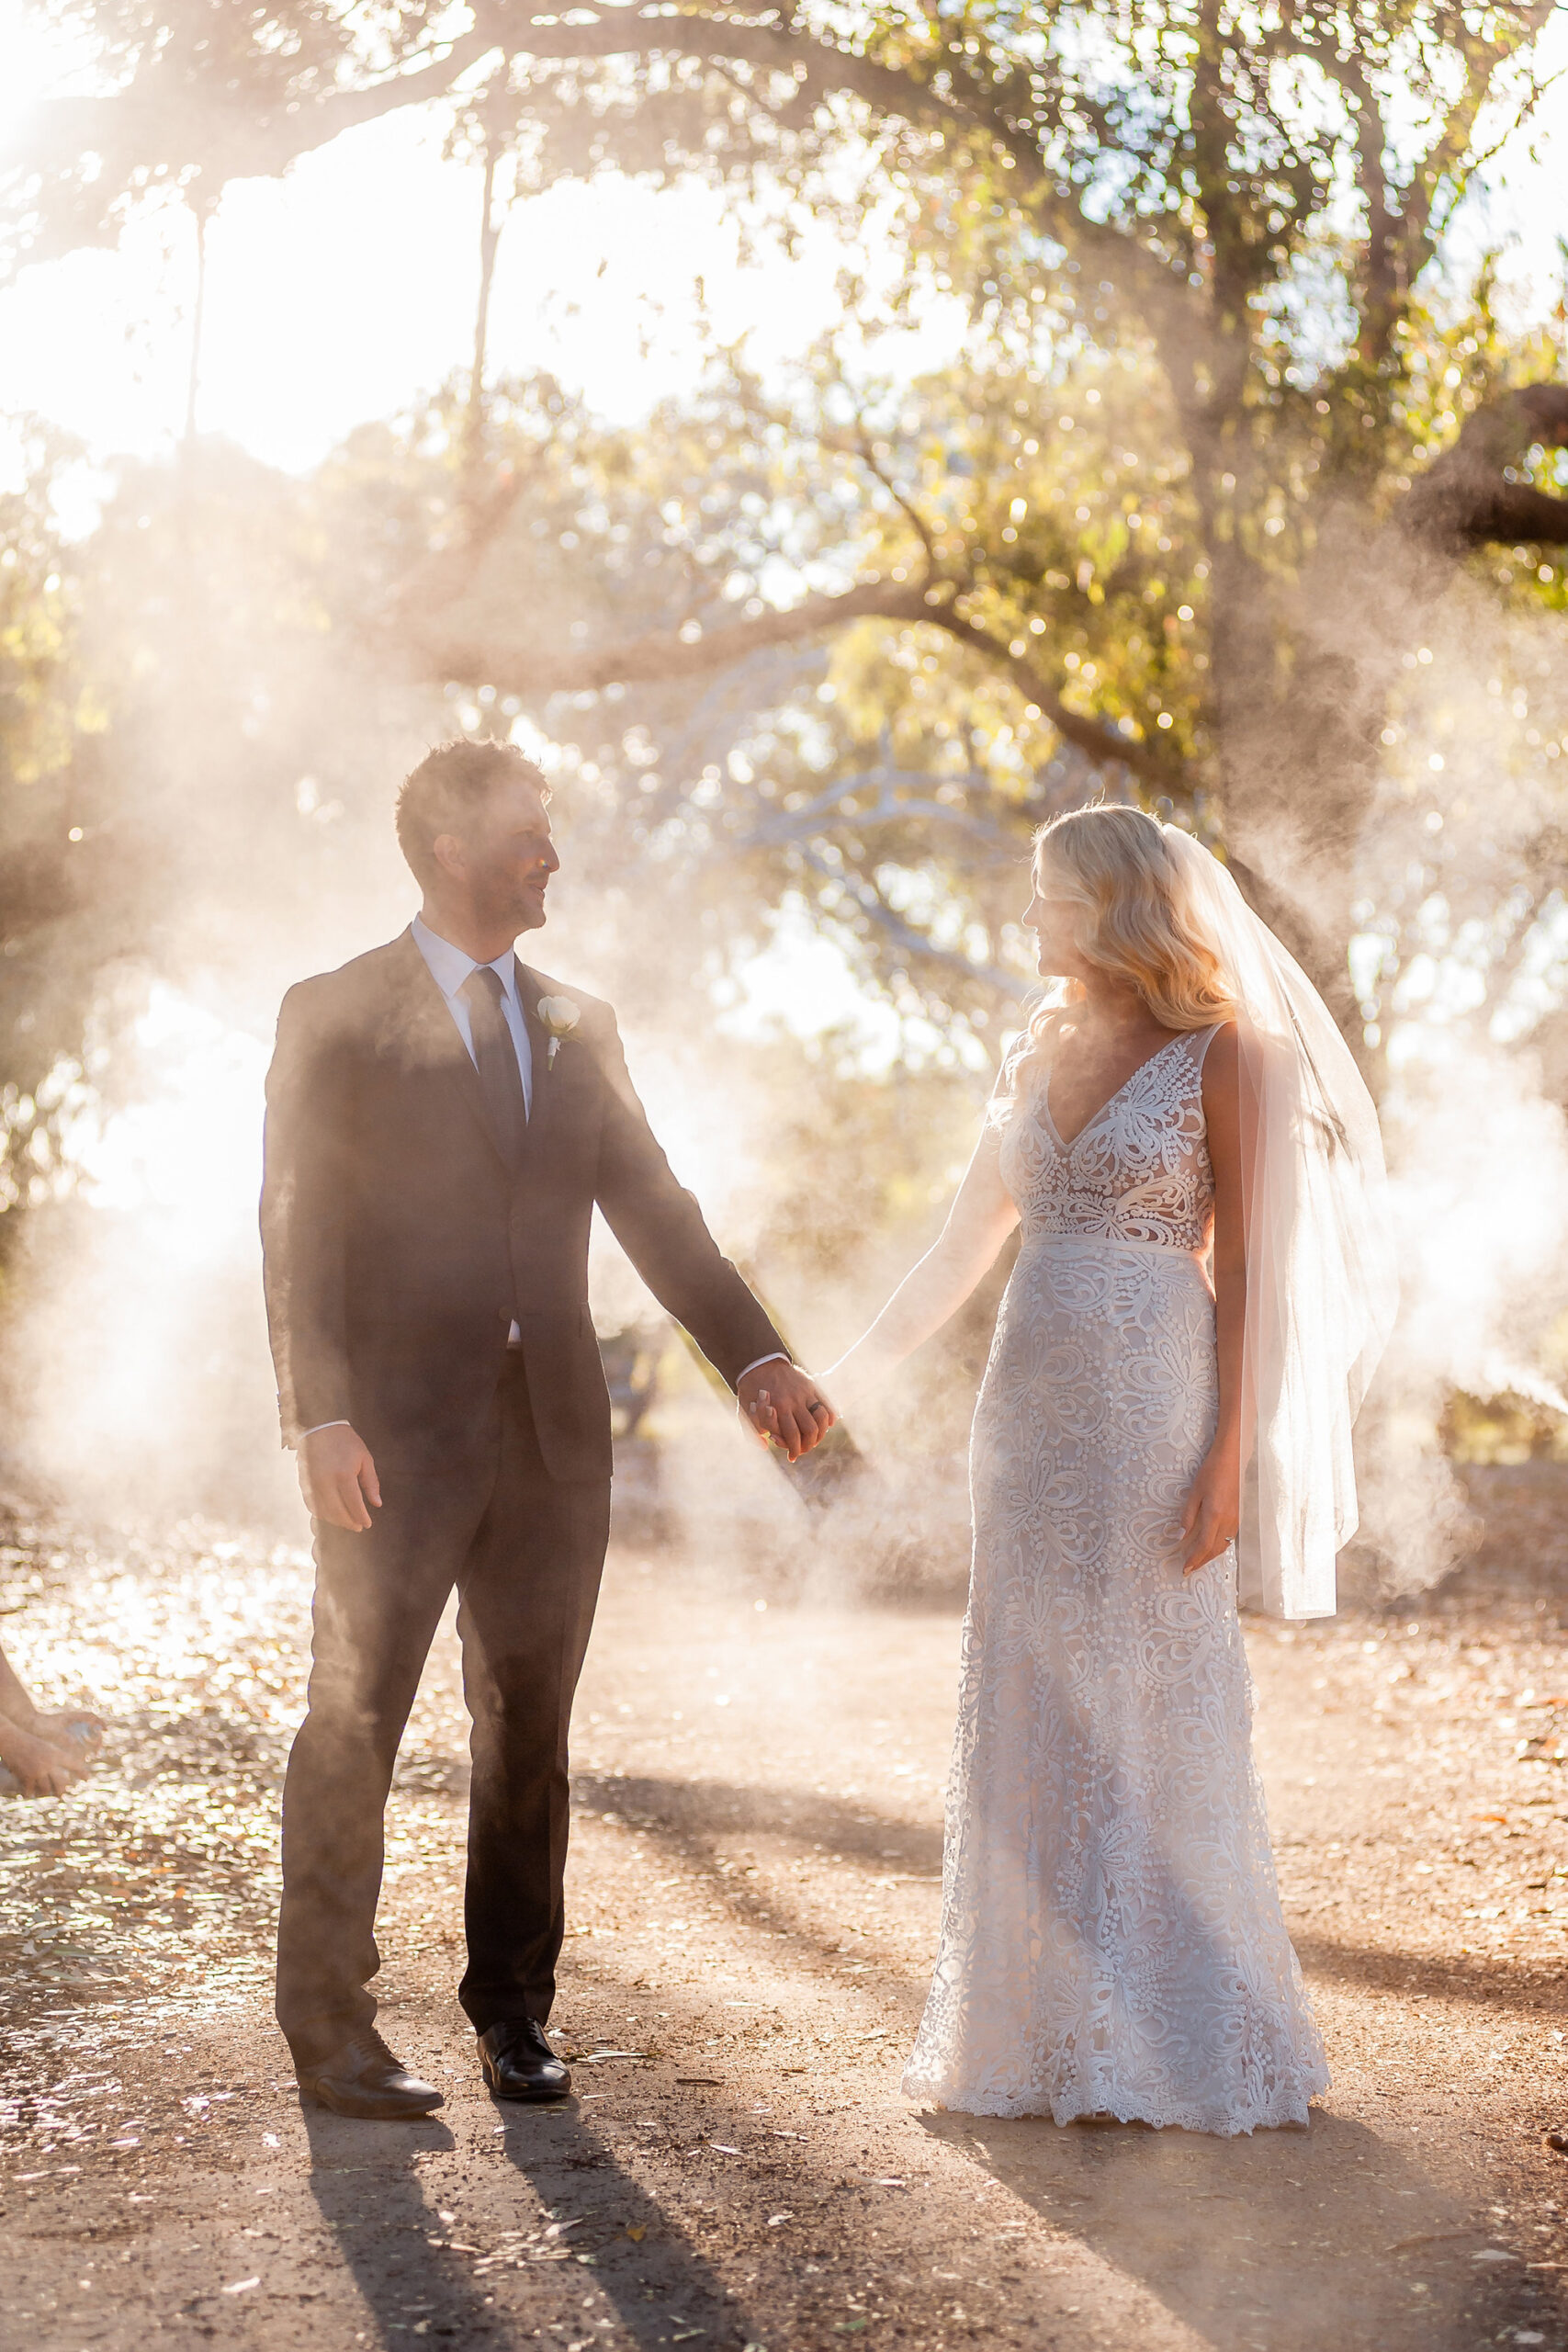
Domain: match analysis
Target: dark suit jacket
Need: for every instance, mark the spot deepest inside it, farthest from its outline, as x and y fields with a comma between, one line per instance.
x=398, y=1246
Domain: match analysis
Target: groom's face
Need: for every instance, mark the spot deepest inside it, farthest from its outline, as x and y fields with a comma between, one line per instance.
x=505, y=858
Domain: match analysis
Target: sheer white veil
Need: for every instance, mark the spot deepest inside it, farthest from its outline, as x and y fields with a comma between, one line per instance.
x=1320, y=1284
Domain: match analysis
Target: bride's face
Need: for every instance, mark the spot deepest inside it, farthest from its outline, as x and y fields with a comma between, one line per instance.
x=1053, y=919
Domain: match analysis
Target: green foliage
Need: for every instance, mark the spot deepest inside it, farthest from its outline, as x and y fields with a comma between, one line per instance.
x=184, y=718
x=50, y=729
x=1145, y=531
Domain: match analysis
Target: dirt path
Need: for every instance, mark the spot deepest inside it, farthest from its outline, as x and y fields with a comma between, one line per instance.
x=754, y=1900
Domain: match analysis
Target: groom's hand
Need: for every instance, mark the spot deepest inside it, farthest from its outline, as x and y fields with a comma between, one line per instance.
x=337, y=1478
x=781, y=1401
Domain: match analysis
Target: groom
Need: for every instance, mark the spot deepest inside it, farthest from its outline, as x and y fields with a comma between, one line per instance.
x=441, y=1121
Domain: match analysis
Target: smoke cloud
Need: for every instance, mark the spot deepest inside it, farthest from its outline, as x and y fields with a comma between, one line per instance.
x=258, y=744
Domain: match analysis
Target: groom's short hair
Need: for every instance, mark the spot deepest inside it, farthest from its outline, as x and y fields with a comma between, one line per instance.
x=448, y=789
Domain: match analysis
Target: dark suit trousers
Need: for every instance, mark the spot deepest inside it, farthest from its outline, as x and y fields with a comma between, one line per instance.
x=525, y=1552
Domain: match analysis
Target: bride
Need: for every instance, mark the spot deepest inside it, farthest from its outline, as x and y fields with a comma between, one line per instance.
x=1203, y=1282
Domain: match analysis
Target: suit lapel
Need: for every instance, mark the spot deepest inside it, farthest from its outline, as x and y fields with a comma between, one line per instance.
x=529, y=990
x=428, y=1036
x=420, y=1020
x=562, y=1089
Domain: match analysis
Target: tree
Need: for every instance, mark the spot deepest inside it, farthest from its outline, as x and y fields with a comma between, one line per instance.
x=56, y=893
x=1211, y=221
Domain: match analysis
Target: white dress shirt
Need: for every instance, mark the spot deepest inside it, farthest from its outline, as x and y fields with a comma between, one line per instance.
x=451, y=969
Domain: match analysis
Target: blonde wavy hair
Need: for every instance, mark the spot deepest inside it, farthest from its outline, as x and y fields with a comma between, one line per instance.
x=1136, y=927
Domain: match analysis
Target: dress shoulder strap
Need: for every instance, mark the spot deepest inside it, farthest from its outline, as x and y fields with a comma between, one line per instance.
x=1201, y=1040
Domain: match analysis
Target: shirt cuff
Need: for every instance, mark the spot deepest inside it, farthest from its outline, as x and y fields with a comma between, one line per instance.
x=778, y=1356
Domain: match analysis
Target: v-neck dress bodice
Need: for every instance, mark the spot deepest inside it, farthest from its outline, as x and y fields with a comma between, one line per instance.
x=1138, y=1171
x=1111, y=1939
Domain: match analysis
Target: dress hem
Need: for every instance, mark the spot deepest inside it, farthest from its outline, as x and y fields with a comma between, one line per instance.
x=1290, y=2111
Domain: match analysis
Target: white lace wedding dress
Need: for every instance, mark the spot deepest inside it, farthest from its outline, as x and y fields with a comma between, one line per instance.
x=1112, y=1940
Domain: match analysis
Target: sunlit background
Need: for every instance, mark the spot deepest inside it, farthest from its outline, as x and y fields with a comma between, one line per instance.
x=338, y=307
x=335, y=293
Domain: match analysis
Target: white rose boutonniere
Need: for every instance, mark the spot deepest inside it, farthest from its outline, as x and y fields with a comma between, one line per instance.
x=559, y=1016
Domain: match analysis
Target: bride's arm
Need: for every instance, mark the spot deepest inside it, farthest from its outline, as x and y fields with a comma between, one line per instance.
x=982, y=1215
x=1212, y=1513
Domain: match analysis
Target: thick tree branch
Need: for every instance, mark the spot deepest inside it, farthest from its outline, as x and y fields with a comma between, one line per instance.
x=662, y=655
x=101, y=125
x=1465, y=499
x=247, y=142
x=228, y=141
x=1106, y=746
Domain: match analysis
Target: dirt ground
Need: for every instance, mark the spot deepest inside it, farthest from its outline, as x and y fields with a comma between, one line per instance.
x=753, y=1899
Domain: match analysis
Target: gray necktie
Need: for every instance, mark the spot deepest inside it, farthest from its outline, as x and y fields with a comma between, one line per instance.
x=496, y=1058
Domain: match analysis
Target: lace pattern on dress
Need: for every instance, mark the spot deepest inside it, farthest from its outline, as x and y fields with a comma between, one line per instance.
x=1112, y=1937
x=1137, y=1171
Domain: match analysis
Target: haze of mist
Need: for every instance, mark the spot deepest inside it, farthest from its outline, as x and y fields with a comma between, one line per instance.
x=831, y=441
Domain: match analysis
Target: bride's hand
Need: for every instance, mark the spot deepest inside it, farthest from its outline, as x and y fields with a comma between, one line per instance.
x=1212, y=1513
x=783, y=1402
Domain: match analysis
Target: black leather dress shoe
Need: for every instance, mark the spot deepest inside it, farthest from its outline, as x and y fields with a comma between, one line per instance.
x=363, y=2077
x=519, y=2064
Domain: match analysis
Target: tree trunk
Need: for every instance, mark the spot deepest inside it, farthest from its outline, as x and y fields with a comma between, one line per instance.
x=473, y=453
x=201, y=213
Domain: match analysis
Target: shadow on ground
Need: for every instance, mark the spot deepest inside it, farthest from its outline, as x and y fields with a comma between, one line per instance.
x=365, y=2181
x=690, y=1816
x=1530, y=1987
x=417, y=2274
x=1182, y=2214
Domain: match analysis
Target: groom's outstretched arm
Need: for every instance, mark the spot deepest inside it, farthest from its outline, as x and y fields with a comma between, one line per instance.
x=660, y=1226
x=304, y=1192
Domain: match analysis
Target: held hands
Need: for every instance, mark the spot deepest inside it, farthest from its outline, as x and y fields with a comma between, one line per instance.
x=783, y=1402
x=1212, y=1514
x=45, y=1759
x=338, y=1478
